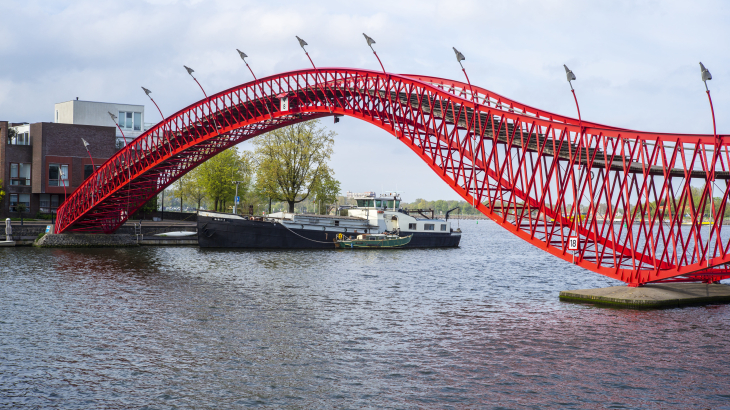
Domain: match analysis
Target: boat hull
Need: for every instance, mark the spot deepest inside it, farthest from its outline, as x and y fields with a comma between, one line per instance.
x=218, y=232
x=394, y=243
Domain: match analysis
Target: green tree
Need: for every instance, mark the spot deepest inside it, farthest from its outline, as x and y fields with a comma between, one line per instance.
x=179, y=188
x=289, y=159
x=11, y=134
x=2, y=192
x=149, y=207
x=194, y=190
x=20, y=207
x=218, y=173
x=325, y=190
x=700, y=204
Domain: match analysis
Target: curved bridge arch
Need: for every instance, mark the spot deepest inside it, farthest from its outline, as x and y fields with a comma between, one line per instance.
x=641, y=214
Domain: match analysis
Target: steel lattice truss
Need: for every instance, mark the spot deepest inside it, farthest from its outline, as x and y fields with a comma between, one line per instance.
x=643, y=212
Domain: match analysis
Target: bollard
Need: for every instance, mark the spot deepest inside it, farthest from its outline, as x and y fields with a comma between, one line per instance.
x=8, y=230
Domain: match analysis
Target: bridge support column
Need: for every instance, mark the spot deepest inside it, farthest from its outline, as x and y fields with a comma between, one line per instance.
x=652, y=295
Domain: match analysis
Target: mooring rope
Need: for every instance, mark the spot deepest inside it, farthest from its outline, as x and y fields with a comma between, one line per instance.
x=282, y=224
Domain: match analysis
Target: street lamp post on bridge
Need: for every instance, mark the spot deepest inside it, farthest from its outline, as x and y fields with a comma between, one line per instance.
x=114, y=118
x=711, y=175
x=460, y=57
x=148, y=92
x=243, y=57
x=86, y=145
x=370, y=42
x=303, y=43
x=576, y=213
x=207, y=100
x=191, y=71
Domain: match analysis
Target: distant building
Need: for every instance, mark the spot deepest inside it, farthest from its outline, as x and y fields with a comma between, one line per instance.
x=129, y=116
x=44, y=162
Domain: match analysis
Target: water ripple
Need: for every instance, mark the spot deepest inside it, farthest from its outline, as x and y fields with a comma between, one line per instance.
x=474, y=327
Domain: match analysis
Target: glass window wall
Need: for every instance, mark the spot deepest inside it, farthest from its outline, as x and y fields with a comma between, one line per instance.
x=57, y=175
x=20, y=174
x=129, y=120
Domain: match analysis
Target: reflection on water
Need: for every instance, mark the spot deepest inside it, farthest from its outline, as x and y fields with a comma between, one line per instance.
x=478, y=326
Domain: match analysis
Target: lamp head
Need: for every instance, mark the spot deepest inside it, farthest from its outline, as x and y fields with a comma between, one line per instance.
x=569, y=73
x=86, y=144
x=242, y=54
x=705, y=73
x=146, y=91
x=190, y=70
x=302, y=43
x=369, y=40
x=114, y=117
x=459, y=57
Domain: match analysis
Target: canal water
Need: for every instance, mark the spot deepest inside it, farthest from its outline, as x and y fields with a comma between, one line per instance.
x=480, y=326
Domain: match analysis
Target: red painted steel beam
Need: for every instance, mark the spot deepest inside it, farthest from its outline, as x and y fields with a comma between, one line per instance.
x=643, y=211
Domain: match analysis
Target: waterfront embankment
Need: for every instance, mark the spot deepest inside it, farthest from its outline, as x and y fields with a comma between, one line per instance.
x=144, y=233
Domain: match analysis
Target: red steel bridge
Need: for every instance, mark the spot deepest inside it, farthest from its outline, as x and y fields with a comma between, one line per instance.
x=637, y=202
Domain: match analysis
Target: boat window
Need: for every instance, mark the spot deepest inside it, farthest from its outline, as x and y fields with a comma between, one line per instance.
x=428, y=227
x=412, y=227
x=443, y=227
x=360, y=202
x=390, y=204
x=397, y=204
x=337, y=223
x=377, y=203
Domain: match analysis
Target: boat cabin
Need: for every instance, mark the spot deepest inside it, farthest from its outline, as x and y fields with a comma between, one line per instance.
x=384, y=211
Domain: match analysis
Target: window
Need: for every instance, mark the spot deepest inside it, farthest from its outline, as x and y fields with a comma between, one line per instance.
x=45, y=203
x=377, y=203
x=57, y=175
x=428, y=227
x=16, y=199
x=443, y=227
x=88, y=170
x=20, y=138
x=48, y=203
x=130, y=120
x=412, y=227
x=56, y=115
x=19, y=174
x=388, y=204
x=366, y=203
x=337, y=223
x=397, y=204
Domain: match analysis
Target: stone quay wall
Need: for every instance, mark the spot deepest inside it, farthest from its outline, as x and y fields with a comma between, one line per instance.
x=67, y=240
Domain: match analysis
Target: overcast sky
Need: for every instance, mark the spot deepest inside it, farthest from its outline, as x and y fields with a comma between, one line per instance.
x=636, y=61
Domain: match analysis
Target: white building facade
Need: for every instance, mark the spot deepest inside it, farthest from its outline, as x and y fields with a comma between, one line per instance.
x=130, y=117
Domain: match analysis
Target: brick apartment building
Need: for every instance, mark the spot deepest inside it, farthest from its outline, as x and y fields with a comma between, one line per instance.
x=46, y=161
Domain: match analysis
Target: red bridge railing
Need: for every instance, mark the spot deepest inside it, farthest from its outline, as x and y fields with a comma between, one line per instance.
x=636, y=204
